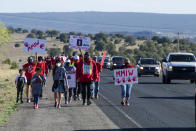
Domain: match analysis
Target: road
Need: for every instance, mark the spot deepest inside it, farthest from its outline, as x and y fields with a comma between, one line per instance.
x=153, y=105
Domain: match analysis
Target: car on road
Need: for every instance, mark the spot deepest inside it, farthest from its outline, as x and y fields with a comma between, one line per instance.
x=179, y=66
x=117, y=62
x=107, y=62
x=148, y=66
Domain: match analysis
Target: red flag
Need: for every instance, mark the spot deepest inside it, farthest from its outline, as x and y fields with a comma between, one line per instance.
x=103, y=58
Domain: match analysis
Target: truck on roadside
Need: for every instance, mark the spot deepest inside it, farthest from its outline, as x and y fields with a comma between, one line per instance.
x=179, y=66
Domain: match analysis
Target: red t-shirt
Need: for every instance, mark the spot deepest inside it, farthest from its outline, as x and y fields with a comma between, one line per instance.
x=43, y=67
x=99, y=69
x=29, y=70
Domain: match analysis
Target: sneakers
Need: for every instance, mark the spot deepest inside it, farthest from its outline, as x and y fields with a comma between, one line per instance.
x=84, y=104
x=28, y=101
x=21, y=101
x=55, y=104
x=96, y=96
x=123, y=103
x=75, y=98
x=79, y=98
x=16, y=100
x=89, y=102
x=35, y=106
x=66, y=102
x=69, y=100
x=59, y=106
x=127, y=103
x=92, y=97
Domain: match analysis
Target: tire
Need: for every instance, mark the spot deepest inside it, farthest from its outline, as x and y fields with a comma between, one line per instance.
x=192, y=81
x=168, y=81
x=139, y=75
x=163, y=79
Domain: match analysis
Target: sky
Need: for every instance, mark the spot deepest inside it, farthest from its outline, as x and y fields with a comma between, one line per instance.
x=152, y=6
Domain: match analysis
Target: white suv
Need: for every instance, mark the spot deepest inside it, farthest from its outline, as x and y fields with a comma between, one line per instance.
x=179, y=66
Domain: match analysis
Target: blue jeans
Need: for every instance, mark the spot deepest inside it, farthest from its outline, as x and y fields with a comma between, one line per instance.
x=36, y=100
x=95, y=89
x=126, y=91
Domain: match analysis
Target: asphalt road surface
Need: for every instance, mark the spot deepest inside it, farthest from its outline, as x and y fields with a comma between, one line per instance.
x=154, y=106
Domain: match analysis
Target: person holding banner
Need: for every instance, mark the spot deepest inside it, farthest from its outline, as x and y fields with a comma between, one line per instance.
x=126, y=88
x=60, y=79
x=29, y=72
x=69, y=68
x=86, y=74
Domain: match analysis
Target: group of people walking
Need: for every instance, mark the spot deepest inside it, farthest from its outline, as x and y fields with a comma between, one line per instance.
x=87, y=79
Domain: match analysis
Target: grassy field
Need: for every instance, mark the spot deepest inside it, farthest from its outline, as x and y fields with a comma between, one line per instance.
x=7, y=93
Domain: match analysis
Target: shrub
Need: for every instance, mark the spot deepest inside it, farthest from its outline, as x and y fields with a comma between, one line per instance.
x=17, y=45
x=14, y=65
x=54, y=51
x=7, y=61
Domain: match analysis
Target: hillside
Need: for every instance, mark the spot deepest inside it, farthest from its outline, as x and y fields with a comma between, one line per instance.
x=93, y=22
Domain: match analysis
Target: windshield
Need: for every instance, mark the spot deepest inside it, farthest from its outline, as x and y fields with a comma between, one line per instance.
x=181, y=58
x=106, y=59
x=118, y=59
x=148, y=61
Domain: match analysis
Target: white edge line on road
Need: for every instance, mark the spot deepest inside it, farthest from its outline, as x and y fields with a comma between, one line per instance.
x=121, y=111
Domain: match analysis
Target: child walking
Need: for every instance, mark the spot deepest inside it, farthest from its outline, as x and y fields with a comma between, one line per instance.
x=20, y=81
x=37, y=83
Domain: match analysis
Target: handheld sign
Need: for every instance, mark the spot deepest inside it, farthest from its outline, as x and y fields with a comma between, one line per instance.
x=103, y=58
x=79, y=42
x=34, y=45
x=126, y=76
x=71, y=79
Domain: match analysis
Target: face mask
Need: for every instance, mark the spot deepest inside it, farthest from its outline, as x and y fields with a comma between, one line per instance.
x=58, y=64
x=86, y=58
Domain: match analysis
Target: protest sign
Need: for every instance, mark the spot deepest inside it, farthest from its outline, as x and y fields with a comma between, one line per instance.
x=79, y=42
x=71, y=79
x=103, y=58
x=125, y=76
x=34, y=45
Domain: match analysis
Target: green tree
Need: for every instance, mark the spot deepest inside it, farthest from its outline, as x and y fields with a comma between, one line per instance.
x=25, y=31
x=99, y=45
x=54, y=51
x=64, y=37
x=4, y=34
x=130, y=40
x=31, y=35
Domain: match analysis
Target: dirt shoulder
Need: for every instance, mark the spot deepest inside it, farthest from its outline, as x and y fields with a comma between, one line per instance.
x=47, y=118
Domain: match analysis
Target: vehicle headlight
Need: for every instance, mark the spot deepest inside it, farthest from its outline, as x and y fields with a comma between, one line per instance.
x=141, y=68
x=114, y=64
x=170, y=68
x=157, y=68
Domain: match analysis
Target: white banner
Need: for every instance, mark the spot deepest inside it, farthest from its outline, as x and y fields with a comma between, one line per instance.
x=126, y=76
x=79, y=42
x=34, y=45
x=71, y=78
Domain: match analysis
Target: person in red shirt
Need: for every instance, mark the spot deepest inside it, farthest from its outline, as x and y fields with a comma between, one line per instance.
x=126, y=89
x=29, y=72
x=95, y=86
x=86, y=74
x=42, y=65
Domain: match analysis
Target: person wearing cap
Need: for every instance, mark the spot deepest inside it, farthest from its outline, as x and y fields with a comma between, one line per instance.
x=29, y=72
x=69, y=68
x=86, y=74
x=126, y=88
x=60, y=79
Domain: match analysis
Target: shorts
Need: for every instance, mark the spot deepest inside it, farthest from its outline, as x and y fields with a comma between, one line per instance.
x=59, y=89
x=28, y=82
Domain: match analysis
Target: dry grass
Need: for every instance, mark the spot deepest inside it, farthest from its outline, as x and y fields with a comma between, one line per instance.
x=7, y=93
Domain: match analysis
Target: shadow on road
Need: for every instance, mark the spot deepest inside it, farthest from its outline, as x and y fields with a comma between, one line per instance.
x=146, y=129
x=175, y=98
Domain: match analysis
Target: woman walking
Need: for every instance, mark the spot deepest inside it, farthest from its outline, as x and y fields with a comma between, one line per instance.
x=126, y=88
x=60, y=79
